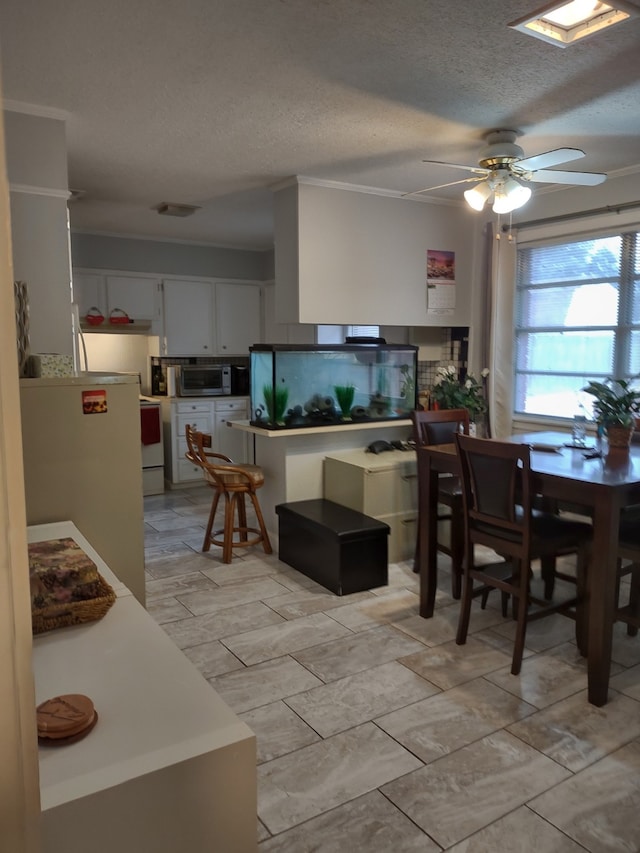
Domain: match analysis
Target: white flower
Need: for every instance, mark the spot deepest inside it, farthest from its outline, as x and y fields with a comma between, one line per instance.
x=468, y=384
x=442, y=371
x=485, y=372
x=451, y=370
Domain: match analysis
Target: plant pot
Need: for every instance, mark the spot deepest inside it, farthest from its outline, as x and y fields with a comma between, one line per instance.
x=619, y=437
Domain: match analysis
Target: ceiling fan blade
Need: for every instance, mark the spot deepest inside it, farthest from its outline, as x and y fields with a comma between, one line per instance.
x=479, y=170
x=441, y=186
x=549, y=158
x=553, y=176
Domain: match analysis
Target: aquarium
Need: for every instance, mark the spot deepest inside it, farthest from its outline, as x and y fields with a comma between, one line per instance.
x=296, y=386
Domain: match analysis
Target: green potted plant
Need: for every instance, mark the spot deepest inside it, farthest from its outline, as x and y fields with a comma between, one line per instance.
x=449, y=392
x=615, y=408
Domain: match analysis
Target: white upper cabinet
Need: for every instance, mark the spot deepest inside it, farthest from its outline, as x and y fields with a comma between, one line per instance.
x=238, y=324
x=188, y=317
x=89, y=291
x=137, y=295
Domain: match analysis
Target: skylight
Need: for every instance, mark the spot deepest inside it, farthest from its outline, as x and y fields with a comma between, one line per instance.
x=565, y=23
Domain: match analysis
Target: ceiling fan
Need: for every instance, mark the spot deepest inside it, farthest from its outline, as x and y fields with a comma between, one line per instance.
x=503, y=172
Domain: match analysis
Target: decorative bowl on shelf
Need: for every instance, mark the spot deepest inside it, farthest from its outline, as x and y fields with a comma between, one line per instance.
x=119, y=317
x=94, y=317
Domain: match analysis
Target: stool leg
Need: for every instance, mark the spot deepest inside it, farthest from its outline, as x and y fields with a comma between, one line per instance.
x=266, y=544
x=229, y=512
x=242, y=516
x=212, y=514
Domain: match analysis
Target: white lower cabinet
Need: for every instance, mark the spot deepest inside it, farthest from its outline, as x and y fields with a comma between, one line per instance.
x=384, y=486
x=208, y=416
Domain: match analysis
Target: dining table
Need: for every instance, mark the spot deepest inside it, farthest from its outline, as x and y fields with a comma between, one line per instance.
x=597, y=481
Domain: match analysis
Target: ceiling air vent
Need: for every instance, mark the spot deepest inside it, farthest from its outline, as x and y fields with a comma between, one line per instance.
x=168, y=208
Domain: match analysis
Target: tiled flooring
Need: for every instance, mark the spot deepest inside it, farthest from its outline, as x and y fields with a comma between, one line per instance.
x=375, y=731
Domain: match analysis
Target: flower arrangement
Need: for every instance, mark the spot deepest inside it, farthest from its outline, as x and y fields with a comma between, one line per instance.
x=616, y=402
x=450, y=393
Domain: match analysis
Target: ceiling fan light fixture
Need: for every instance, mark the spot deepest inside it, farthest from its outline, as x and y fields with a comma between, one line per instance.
x=564, y=23
x=478, y=195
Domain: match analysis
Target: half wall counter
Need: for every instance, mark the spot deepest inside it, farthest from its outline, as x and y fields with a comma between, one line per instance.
x=293, y=459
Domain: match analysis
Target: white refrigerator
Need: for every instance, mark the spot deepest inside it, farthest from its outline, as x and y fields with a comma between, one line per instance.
x=83, y=463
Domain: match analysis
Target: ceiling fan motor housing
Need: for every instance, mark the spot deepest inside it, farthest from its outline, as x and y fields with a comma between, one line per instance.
x=501, y=150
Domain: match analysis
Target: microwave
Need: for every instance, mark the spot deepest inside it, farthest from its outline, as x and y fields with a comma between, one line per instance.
x=203, y=380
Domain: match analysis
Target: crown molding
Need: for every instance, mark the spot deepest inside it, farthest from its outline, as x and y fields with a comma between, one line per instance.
x=27, y=189
x=296, y=180
x=34, y=110
x=158, y=239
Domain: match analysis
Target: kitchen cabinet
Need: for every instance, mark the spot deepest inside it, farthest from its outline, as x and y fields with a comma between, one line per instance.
x=89, y=290
x=231, y=442
x=206, y=415
x=238, y=318
x=188, y=317
x=137, y=295
x=383, y=486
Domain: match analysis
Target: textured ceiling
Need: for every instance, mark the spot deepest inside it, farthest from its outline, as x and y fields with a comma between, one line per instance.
x=211, y=102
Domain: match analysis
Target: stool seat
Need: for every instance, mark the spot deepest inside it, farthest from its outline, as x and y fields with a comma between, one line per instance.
x=232, y=477
x=231, y=482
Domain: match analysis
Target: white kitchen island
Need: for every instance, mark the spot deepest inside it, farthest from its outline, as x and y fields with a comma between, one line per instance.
x=293, y=459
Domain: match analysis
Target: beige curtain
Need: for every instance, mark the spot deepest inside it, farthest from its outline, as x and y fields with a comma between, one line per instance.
x=501, y=299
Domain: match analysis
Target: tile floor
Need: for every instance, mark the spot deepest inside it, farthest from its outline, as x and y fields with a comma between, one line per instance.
x=375, y=731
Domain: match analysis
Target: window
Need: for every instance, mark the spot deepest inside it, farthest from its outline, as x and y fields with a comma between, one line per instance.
x=577, y=318
x=337, y=334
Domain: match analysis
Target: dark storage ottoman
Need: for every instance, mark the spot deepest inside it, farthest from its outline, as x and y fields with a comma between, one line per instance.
x=340, y=548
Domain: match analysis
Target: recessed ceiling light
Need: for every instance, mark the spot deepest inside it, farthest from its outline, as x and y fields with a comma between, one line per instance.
x=564, y=23
x=170, y=208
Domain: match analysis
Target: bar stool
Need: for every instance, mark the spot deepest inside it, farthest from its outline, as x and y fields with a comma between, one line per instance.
x=231, y=482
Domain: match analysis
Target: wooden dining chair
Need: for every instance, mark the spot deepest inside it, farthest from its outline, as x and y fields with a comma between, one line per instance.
x=440, y=427
x=498, y=495
x=232, y=483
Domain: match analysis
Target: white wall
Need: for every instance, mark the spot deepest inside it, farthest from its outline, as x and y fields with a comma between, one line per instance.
x=352, y=257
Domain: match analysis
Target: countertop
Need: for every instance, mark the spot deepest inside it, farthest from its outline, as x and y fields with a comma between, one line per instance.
x=333, y=428
x=82, y=379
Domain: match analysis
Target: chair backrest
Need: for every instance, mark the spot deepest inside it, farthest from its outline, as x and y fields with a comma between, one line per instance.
x=439, y=426
x=496, y=492
x=196, y=443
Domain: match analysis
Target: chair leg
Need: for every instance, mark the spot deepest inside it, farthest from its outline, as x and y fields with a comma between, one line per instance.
x=457, y=552
x=465, y=605
x=266, y=544
x=634, y=599
x=521, y=628
x=416, y=556
x=548, y=574
x=212, y=514
x=582, y=622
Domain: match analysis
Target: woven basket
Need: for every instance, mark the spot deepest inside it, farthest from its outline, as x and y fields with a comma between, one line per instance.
x=75, y=612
